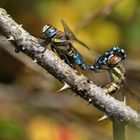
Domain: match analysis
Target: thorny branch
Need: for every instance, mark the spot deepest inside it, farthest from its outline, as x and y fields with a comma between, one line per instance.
x=61, y=71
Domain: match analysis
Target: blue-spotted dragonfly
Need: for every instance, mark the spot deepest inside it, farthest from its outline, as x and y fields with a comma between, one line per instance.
x=61, y=43
x=120, y=78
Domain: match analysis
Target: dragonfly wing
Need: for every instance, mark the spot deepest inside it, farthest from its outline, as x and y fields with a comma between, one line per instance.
x=120, y=95
x=71, y=35
x=133, y=84
x=68, y=31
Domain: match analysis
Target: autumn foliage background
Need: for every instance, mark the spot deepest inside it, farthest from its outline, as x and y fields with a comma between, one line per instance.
x=30, y=107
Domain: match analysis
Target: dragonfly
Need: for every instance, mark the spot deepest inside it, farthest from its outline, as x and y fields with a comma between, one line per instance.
x=121, y=80
x=110, y=61
x=61, y=43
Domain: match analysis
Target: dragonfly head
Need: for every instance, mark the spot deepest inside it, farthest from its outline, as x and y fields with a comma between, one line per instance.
x=49, y=31
x=110, y=58
x=114, y=59
x=116, y=56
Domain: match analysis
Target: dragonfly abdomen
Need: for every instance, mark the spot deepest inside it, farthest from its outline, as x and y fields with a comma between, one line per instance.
x=117, y=74
x=111, y=88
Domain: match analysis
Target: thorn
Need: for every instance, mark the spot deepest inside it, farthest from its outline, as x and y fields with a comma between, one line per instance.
x=34, y=60
x=102, y=118
x=64, y=87
x=23, y=48
x=10, y=38
x=8, y=15
x=89, y=100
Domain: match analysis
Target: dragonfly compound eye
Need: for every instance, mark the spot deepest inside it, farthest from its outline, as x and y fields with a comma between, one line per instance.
x=45, y=28
x=48, y=31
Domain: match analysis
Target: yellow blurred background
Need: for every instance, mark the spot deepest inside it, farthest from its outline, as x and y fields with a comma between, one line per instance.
x=31, y=109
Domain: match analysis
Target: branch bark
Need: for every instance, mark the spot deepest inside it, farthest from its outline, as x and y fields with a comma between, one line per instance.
x=61, y=71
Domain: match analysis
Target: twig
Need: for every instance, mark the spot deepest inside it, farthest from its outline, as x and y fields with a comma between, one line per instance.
x=55, y=66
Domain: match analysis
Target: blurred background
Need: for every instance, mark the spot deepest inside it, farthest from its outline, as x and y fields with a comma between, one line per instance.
x=30, y=106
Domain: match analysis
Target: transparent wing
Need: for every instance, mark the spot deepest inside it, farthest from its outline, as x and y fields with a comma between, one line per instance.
x=132, y=84
x=120, y=95
x=71, y=35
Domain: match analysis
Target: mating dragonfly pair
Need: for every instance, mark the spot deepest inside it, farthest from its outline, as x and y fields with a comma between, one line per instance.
x=61, y=43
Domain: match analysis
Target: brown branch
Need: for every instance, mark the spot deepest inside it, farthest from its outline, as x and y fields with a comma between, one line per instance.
x=55, y=66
